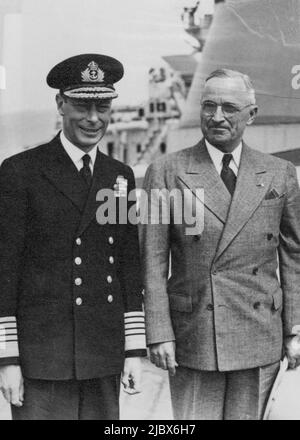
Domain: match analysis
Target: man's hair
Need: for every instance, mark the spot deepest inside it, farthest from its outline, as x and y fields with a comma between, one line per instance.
x=61, y=93
x=227, y=73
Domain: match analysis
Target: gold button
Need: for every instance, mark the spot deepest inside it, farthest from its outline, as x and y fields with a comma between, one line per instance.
x=111, y=240
x=109, y=279
x=110, y=299
x=111, y=260
x=78, y=261
x=78, y=241
x=78, y=281
x=78, y=301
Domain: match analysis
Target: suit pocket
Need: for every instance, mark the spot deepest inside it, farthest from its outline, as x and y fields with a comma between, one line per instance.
x=180, y=303
x=277, y=300
x=272, y=202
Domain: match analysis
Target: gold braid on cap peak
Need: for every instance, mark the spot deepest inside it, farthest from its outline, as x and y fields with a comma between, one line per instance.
x=91, y=93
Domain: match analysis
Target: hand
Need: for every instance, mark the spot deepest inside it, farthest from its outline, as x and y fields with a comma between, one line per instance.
x=131, y=377
x=292, y=350
x=163, y=356
x=12, y=384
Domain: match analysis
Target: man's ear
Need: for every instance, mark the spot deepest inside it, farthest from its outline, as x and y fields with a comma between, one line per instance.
x=60, y=104
x=252, y=115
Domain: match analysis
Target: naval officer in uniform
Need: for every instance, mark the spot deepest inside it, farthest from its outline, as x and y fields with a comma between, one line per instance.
x=71, y=320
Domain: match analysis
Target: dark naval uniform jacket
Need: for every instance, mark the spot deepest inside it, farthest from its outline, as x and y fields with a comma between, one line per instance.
x=70, y=288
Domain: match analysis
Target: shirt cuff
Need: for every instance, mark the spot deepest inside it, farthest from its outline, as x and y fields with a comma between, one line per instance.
x=135, y=335
x=9, y=347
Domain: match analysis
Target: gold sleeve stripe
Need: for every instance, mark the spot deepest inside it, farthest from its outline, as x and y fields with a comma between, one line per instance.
x=8, y=337
x=135, y=338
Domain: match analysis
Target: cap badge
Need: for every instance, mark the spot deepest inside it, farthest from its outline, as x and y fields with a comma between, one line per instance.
x=92, y=73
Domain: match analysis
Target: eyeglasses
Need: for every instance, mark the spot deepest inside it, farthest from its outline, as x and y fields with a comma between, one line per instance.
x=209, y=108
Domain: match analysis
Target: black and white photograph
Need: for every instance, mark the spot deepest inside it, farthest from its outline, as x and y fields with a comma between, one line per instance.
x=150, y=212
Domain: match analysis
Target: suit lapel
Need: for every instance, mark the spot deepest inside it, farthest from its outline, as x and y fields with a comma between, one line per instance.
x=252, y=184
x=202, y=174
x=103, y=178
x=63, y=174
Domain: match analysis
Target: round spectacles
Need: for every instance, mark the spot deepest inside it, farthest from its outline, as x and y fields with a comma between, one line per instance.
x=209, y=108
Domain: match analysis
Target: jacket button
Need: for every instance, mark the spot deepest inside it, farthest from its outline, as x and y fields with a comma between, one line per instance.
x=110, y=299
x=78, y=281
x=255, y=270
x=111, y=260
x=78, y=241
x=210, y=307
x=111, y=240
x=78, y=301
x=109, y=279
x=256, y=305
x=214, y=272
x=270, y=236
x=78, y=261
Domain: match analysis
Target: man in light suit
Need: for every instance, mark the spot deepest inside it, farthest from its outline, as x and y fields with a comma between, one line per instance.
x=219, y=322
x=71, y=318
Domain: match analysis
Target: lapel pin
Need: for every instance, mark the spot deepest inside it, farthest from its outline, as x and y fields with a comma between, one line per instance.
x=261, y=184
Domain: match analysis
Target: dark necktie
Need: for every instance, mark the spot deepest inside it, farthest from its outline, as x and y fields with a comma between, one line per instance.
x=227, y=175
x=85, y=171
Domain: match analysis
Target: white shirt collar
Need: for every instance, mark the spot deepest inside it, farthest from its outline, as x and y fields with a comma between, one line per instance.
x=217, y=157
x=76, y=153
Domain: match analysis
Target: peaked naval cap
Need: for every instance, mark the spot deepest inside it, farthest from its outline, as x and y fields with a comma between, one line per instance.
x=87, y=76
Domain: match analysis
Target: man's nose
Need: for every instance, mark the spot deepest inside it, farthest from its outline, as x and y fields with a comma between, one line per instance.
x=218, y=115
x=92, y=115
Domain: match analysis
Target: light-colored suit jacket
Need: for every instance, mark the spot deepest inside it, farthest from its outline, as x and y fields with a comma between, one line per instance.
x=223, y=302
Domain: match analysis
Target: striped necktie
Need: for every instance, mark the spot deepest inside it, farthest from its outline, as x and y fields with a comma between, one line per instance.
x=227, y=175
